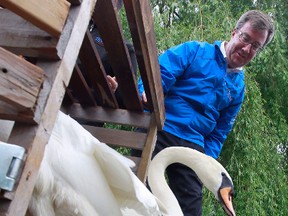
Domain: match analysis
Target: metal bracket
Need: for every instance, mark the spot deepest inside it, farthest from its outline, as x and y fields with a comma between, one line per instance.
x=11, y=161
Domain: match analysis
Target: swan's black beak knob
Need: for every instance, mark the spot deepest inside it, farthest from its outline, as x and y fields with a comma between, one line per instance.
x=225, y=195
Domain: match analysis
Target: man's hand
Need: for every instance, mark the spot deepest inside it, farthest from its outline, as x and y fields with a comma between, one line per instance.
x=112, y=82
x=144, y=98
x=146, y=105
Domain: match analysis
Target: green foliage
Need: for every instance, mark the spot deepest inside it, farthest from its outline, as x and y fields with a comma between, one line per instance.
x=272, y=74
x=251, y=156
x=193, y=24
x=123, y=150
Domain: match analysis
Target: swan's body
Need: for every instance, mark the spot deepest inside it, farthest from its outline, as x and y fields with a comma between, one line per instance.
x=80, y=176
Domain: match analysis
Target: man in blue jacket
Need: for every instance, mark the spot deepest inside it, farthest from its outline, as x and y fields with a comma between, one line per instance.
x=204, y=89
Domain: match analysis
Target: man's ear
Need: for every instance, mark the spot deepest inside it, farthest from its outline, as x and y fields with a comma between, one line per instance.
x=233, y=32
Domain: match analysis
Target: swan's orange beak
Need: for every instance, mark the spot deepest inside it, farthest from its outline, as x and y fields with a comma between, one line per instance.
x=225, y=197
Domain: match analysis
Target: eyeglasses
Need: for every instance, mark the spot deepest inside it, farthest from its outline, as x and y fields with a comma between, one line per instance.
x=245, y=39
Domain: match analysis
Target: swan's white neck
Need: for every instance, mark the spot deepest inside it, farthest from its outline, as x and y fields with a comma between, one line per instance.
x=202, y=165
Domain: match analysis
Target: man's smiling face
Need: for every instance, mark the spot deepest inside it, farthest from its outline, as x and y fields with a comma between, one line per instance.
x=240, y=53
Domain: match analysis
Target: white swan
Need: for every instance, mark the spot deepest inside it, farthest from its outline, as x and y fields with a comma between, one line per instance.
x=80, y=176
x=210, y=172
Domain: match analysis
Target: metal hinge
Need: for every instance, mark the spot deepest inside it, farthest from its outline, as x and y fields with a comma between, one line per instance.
x=11, y=161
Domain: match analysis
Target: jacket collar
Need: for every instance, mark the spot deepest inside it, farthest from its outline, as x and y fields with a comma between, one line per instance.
x=223, y=51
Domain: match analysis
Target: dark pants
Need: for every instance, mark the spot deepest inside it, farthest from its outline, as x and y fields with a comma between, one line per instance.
x=182, y=180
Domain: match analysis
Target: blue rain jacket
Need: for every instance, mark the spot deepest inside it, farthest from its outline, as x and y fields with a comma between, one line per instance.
x=201, y=98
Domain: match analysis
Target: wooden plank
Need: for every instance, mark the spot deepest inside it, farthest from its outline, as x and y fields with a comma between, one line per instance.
x=23, y=38
x=118, y=116
x=68, y=100
x=48, y=15
x=80, y=88
x=27, y=116
x=20, y=83
x=108, y=24
x=95, y=72
x=115, y=116
x=147, y=150
x=136, y=160
x=140, y=21
x=129, y=139
x=35, y=137
x=66, y=36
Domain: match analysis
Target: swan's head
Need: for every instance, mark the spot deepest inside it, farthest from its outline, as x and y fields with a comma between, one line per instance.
x=216, y=178
x=211, y=173
x=225, y=194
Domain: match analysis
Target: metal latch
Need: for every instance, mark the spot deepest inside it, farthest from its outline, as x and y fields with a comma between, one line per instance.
x=11, y=161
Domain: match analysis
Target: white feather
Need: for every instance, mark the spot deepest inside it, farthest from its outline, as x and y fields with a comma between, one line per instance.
x=81, y=175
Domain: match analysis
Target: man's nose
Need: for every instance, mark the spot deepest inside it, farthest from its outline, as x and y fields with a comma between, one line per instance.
x=247, y=48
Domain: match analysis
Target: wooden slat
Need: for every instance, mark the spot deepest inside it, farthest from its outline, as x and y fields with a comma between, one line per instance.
x=118, y=116
x=68, y=100
x=81, y=89
x=23, y=38
x=35, y=137
x=107, y=22
x=49, y=15
x=20, y=83
x=129, y=139
x=147, y=150
x=95, y=71
x=136, y=160
x=140, y=21
x=67, y=36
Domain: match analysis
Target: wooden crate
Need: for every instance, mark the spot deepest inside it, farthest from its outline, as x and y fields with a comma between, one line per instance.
x=51, y=51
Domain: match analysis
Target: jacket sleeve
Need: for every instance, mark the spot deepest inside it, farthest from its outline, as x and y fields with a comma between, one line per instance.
x=214, y=141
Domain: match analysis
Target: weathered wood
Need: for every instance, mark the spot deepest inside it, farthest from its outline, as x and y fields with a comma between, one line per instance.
x=95, y=72
x=107, y=22
x=80, y=88
x=136, y=160
x=140, y=21
x=141, y=26
x=58, y=72
x=147, y=150
x=20, y=83
x=35, y=137
x=48, y=15
x=23, y=38
x=118, y=138
x=115, y=116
